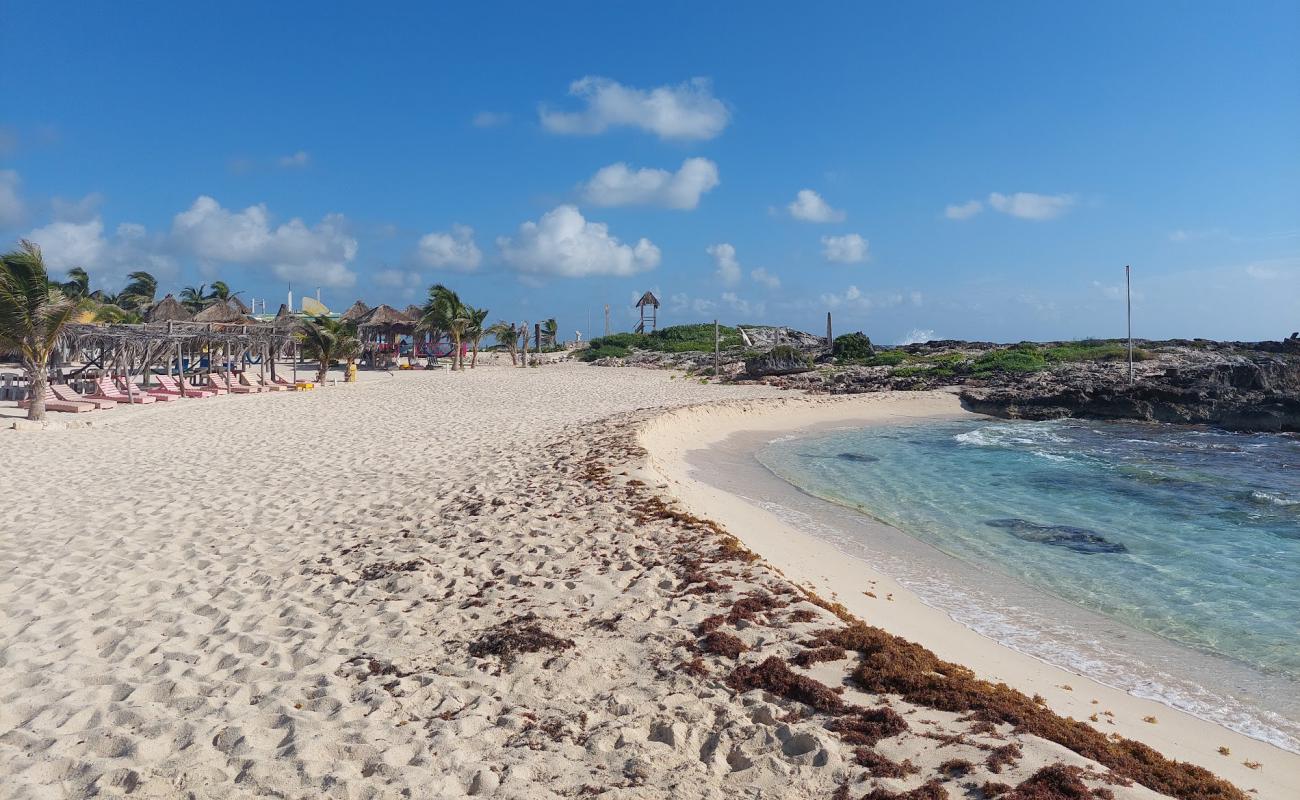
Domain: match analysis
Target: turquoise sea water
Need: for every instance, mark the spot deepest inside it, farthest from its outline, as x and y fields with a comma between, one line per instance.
x=1192, y=535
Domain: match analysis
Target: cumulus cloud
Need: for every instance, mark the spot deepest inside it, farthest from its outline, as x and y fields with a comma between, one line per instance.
x=1027, y=205
x=563, y=243
x=619, y=185
x=850, y=248
x=685, y=111
x=402, y=279
x=298, y=160
x=681, y=301
x=724, y=256
x=963, y=210
x=454, y=250
x=490, y=119
x=810, y=207
x=12, y=208
x=318, y=255
x=69, y=243
x=855, y=299
x=766, y=278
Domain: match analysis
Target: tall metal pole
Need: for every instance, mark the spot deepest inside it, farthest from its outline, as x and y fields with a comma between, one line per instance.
x=715, y=348
x=607, y=319
x=1128, y=300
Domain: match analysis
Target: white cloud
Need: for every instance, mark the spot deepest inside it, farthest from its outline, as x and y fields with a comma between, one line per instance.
x=618, y=185
x=563, y=243
x=854, y=298
x=964, y=211
x=850, y=248
x=917, y=336
x=405, y=281
x=1027, y=205
x=724, y=256
x=742, y=306
x=298, y=160
x=685, y=111
x=81, y=243
x=12, y=207
x=455, y=250
x=490, y=119
x=810, y=207
x=766, y=278
x=318, y=255
x=681, y=301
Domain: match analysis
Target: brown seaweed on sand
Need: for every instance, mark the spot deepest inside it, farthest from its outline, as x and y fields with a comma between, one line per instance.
x=514, y=637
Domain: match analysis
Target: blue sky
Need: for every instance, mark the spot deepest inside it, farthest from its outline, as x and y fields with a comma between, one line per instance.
x=978, y=171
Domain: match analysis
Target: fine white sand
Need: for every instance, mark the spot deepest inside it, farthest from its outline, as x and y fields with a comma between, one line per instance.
x=281, y=595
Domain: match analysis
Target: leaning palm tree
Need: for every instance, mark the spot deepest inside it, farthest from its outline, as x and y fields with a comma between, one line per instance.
x=220, y=291
x=445, y=312
x=505, y=334
x=550, y=333
x=475, y=331
x=77, y=285
x=195, y=298
x=32, y=316
x=140, y=292
x=326, y=340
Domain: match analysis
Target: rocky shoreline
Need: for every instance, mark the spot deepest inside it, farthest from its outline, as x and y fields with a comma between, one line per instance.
x=1242, y=386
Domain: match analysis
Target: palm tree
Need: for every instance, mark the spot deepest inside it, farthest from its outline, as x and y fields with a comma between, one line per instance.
x=32, y=315
x=194, y=298
x=550, y=332
x=327, y=340
x=506, y=334
x=475, y=331
x=221, y=291
x=78, y=284
x=446, y=312
x=140, y=292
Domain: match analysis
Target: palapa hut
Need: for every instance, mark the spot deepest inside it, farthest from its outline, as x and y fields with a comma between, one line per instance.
x=649, y=306
x=219, y=311
x=168, y=309
x=380, y=331
x=240, y=305
x=355, y=313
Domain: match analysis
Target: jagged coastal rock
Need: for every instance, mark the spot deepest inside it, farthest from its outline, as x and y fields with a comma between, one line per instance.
x=780, y=360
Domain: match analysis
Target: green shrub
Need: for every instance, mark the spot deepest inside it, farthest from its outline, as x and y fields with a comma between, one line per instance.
x=852, y=347
x=1093, y=350
x=1021, y=358
x=888, y=358
x=603, y=351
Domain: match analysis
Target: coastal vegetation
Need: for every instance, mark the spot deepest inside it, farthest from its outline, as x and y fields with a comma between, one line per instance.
x=33, y=314
x=673, y=339
x=327, y=340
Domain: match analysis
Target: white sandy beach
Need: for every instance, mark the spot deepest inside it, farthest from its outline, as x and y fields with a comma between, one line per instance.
x=295, y=595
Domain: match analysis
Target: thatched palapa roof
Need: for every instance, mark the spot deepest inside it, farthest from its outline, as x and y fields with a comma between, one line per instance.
x=219, y=312
x=240, y=305
x=356, y=312
x=414, y=312
x=385, y=316
x=167, y=309
x=648, y=299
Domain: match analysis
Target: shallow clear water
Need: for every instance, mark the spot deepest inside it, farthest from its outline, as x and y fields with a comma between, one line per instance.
x=1192, y=535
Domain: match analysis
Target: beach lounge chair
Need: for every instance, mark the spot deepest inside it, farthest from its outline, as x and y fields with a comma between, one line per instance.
x=246, y=380
x=268, y=385
x=106, y=389
x=53, y=403
x=69, y=395
x=171, y=386
x=219, y=381
x=153, y=391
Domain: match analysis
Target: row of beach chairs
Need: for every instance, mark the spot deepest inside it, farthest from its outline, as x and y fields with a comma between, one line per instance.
x=109, y=392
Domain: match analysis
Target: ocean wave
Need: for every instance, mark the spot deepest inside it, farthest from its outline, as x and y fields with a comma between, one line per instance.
x=1274, y=499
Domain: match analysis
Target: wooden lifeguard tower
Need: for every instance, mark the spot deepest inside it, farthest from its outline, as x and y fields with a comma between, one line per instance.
x=649, y=305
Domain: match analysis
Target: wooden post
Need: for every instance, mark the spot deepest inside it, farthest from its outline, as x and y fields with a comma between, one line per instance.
x=229, y=381
x=830, y=341
x=716, y=347
x=180, y=372
x=261, y=374
x=525, y=355
x=1128, y=300
x=295, y=363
